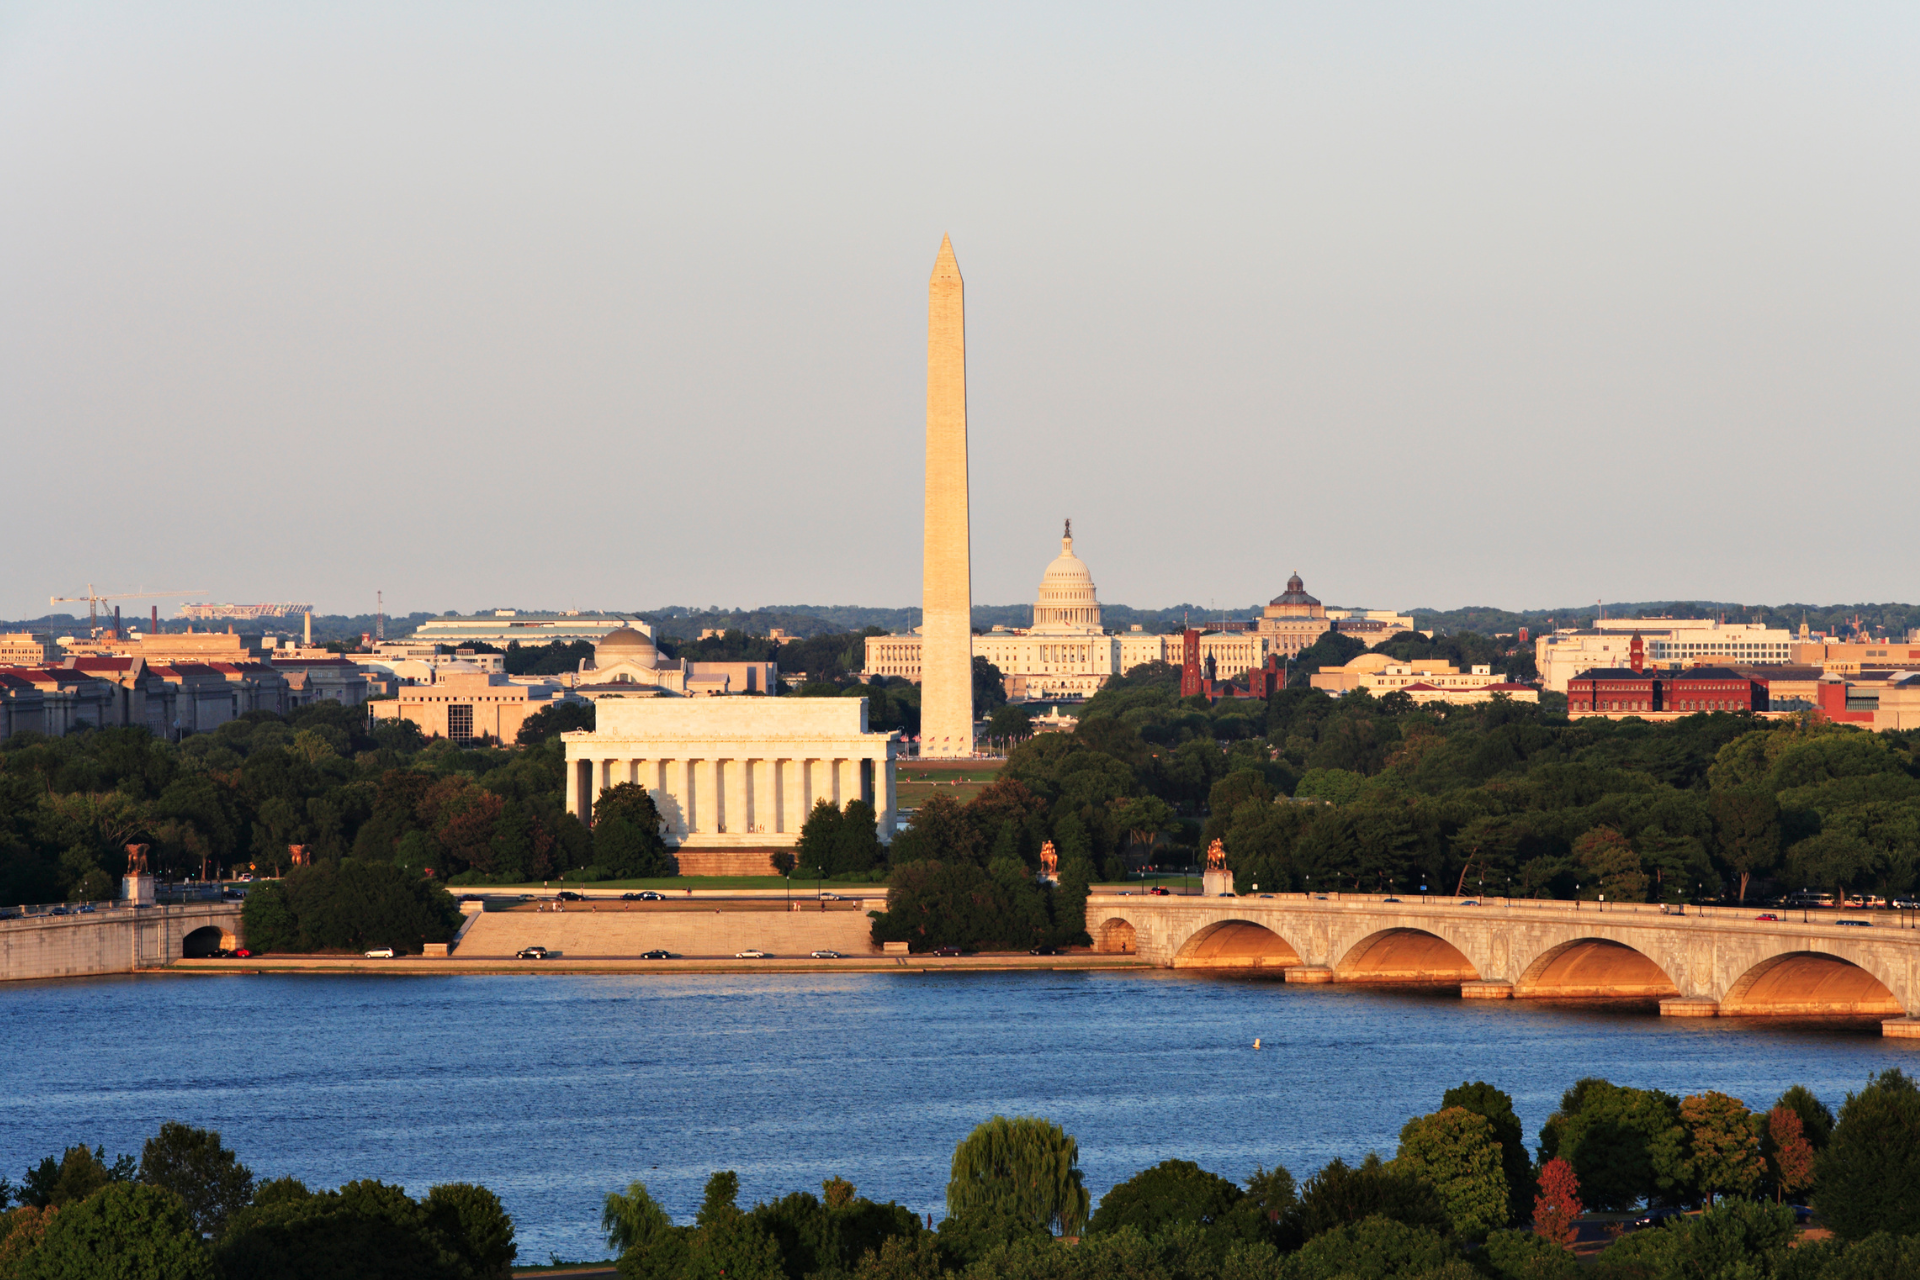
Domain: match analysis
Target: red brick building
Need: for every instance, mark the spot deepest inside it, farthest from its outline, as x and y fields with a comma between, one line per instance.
x=1620, y=691
x=1612, y=691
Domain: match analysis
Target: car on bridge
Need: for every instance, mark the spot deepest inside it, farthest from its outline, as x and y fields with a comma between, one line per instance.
x=533, y=953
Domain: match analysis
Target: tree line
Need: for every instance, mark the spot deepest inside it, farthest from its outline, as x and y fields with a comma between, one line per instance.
x=1459, y=1200
x=234, y=800
x=187, y=1209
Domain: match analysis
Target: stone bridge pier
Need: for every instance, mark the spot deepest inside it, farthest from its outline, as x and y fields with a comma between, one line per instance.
x=1706, y=962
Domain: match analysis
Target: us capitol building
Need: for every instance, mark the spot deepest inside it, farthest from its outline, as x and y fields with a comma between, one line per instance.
x=1067, y=654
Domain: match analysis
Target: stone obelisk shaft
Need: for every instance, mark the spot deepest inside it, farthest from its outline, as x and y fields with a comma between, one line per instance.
x=946, y=628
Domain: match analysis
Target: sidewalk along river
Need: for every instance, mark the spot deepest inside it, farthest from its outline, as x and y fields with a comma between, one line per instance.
x=554, y=1093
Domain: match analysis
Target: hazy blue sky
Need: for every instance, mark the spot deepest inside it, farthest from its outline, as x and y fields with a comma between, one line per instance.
x=624, y=305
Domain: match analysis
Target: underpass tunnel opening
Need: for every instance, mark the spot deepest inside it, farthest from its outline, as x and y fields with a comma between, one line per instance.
x=205, y=941
x=1594, y=969
x=1236, y=944
x=1808, y=984
x=1405, y=956
x=1114, y=937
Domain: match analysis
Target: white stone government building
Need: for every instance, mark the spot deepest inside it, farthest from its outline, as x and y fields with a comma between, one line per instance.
x=1066, y=653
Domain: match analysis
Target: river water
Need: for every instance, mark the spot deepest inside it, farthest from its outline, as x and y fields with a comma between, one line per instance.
x=553, y=1090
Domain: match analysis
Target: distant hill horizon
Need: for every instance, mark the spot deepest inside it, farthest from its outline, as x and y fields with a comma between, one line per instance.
x=807, y=621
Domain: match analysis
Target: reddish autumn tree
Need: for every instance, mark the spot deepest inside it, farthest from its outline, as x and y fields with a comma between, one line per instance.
x=1791, y=1155
x=1558, y=1206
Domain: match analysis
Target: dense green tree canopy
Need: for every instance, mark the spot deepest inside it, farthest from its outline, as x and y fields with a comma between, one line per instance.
x=1868, y=1177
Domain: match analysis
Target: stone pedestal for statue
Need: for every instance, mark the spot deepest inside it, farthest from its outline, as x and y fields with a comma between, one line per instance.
x=1042, y=877
x=1216, y=883
x=137, y=890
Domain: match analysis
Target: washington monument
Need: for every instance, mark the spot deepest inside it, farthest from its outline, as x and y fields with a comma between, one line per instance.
x=946, y=626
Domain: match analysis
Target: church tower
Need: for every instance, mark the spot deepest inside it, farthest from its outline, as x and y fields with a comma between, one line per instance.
x=946, y=628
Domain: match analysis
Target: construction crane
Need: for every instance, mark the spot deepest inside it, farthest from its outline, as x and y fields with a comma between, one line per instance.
x=93, y=601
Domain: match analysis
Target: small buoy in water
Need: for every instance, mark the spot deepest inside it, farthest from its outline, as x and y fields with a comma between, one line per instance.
x=1256, y=1042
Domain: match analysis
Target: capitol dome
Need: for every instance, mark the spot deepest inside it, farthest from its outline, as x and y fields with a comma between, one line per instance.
x=1067, y=598
x=624, y=644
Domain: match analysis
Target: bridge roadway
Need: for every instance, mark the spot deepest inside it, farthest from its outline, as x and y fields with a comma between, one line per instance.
x=1710, y=961
x=113, y=939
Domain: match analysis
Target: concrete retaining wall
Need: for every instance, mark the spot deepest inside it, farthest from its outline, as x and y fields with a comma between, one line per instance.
x=117, y=940
x=579, y=933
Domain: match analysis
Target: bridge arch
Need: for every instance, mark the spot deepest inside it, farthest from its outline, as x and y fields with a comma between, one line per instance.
x=1808, y=984
x=206, y=940
x=1402, y=955
x=1588, y=968
x=1236, y=944
x=1114, y=936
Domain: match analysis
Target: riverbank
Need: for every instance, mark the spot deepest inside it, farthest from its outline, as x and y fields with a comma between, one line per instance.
x=436, y=966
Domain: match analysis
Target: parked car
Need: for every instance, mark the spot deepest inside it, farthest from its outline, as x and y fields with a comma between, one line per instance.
x=752, y=953
x=656, y=955
x=380, y=953
x=533, y=953
x=828, y=955
x=1044, y=951
x=946, y=951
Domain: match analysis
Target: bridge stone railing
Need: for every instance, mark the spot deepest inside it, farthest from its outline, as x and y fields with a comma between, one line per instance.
x=118, y=940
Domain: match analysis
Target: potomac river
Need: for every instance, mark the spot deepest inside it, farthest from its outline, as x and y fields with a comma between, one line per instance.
x=554, y=1090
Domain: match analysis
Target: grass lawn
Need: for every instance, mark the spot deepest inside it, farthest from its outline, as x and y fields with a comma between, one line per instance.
x=915, y=780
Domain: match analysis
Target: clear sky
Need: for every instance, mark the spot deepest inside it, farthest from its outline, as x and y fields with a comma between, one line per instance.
x=624, y=305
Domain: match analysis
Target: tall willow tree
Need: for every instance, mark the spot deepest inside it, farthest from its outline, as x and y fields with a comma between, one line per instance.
x=1025, y=1168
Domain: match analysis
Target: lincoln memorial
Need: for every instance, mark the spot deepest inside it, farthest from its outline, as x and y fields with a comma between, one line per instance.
x=733, y=772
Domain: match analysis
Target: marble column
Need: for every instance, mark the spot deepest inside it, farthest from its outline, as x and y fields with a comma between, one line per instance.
x=733, y=796
x=706, y=795
x=793, y=795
